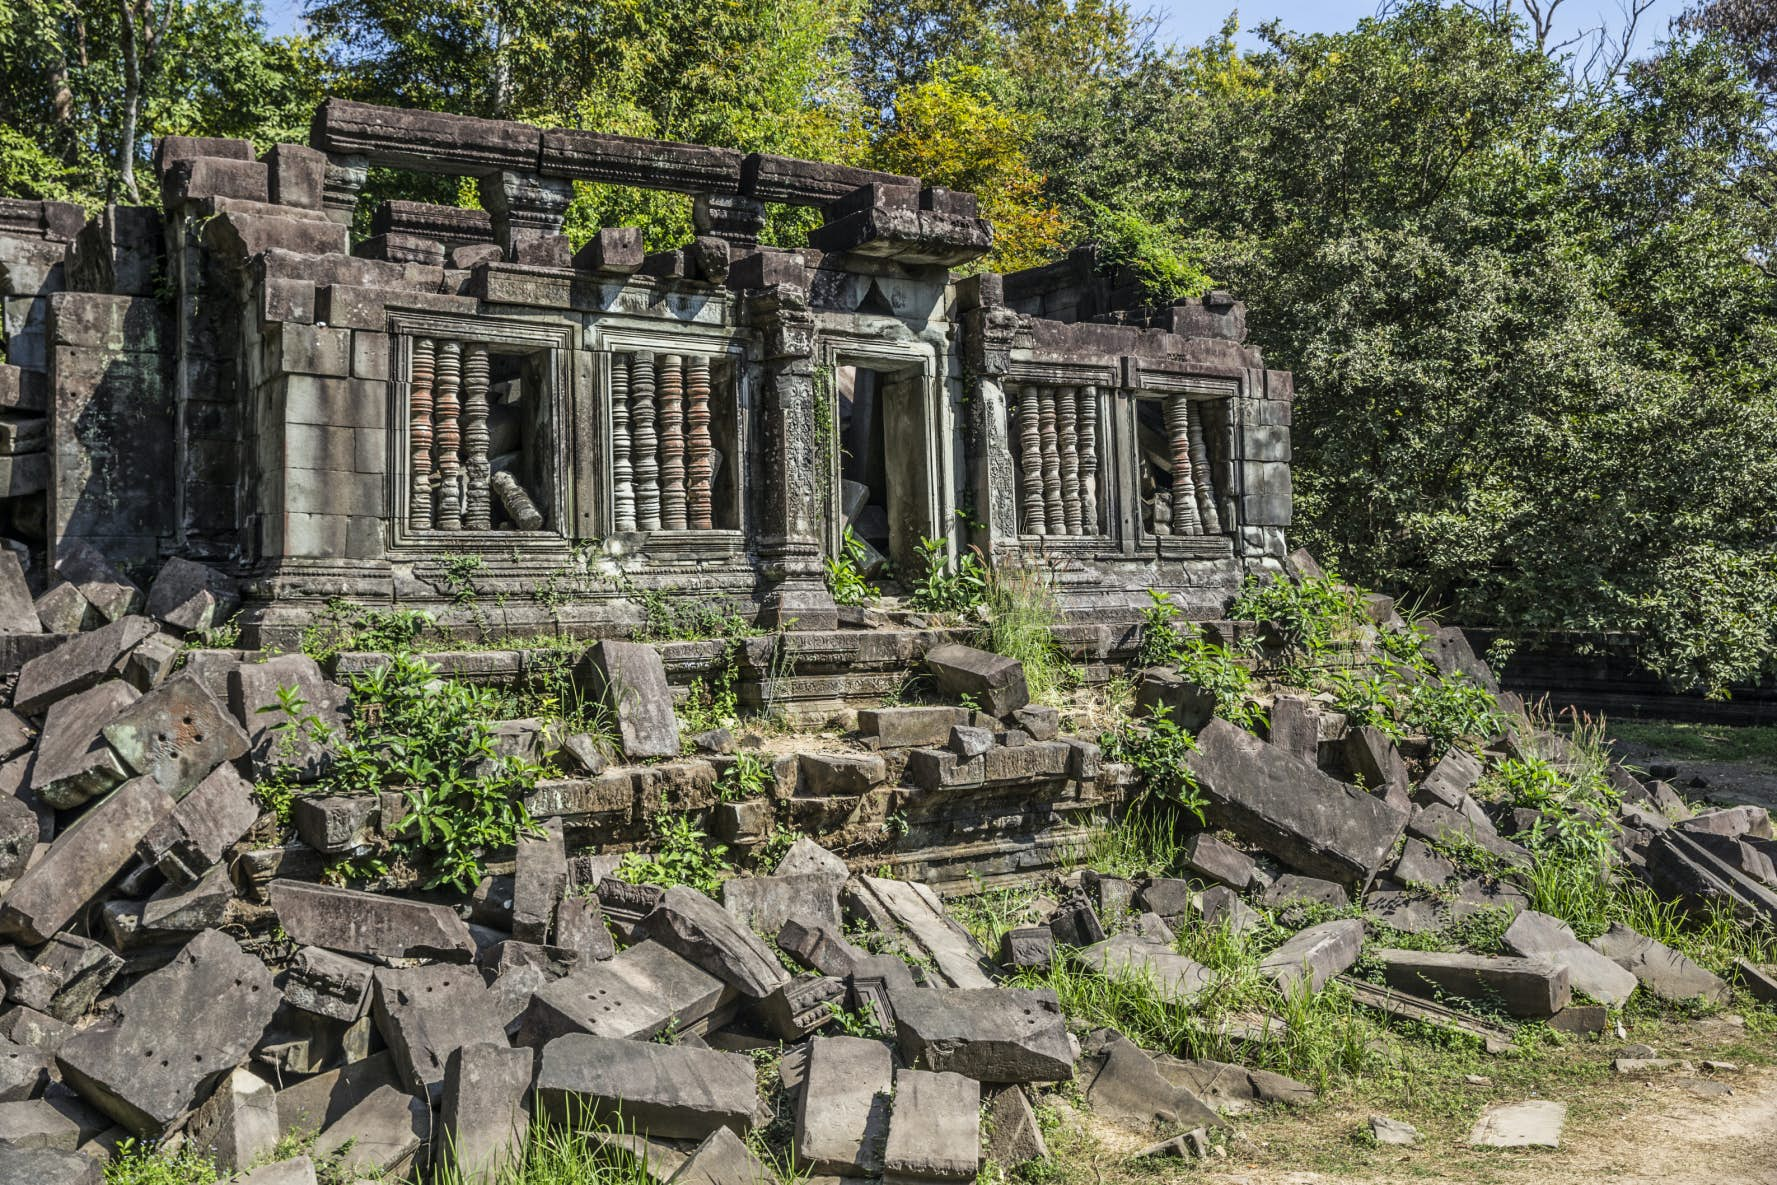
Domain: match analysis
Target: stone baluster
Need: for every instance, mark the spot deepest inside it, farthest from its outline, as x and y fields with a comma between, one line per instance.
x=623, y=494
x=1068, y=444
x=447, y=441
x=1200, y=472
x=644, y=450
x=478, y=507
x=1088, y=429
x=1030, y=463
x=671, y=393
x=700, y=468
x=1057, y=522
x=419, y=436
x=1184, y=492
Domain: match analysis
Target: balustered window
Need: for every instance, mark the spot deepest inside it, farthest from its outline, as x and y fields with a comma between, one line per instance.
x=1058, y=440
x=675, y=442
x=1175, y=466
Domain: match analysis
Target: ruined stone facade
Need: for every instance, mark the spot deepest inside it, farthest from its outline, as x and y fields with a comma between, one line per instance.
x=231, y=379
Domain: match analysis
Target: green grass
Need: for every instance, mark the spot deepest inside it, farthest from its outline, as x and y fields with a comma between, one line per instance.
x=1022, y=613
x=1750, y=744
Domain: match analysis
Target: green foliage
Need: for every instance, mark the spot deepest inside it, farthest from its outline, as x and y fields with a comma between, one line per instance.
x=855, y=1024
x=347, y=626
x=1167, y=641
x=748, y=777
x=135, y=1163
x=1158, y=749
x=682, y=855
x=944, y=587
x=432, y=739
x=845, y=573
x=1309, y=620
x=1021, y=615
x=1151, y=250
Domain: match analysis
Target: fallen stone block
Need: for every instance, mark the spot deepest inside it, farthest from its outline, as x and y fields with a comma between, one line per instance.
x=1733, y=821
x=484, y=1114
x=911, y=914
x=191, y=596
x=337, y=824
x=33, y=1123
x=1439, y=822
x=274, y=738
x=1126, y=957
x=81, y=662
x=16, y=734
x=62, y=610
x=910, y=728
x=1539, y=936
x=113, y=594
x=801, y=1006
x=1293, y=889
x=540, y=880
x=48, y=1166
x=1290, y=809
x=1216, y=861
x=665, y=1091
x=1760, y=982
x=74, y=763
x=1410, y=913
x=934, y=1129
x=1186, y=703
x=808, y=858
x=1228, y=1088
x=427, y=1013
x=842, y=1113
x=1658, y=968
x=722, y=1159
x=840, y=775
x=990, y=1034
x=237, y=1126
x=1533, y=1124
x=1314, y=955
x=630, y=679
x=176, y=734
x=1123, y=1085
x=1027, y=946
x=1375, y=760
x=151, y=662
x=1014, y=1136
x=1394, y=1133
x=24, y=1072
x=369, y=924
x=1420, y=865
x=1519, y=987
x=1581, y=1020
x=298, y=1170
x=20, y=830
x=1075, y=923
x=201, y=827
x=82, y=861
x=80, y=969
x=177, y=1031
x=39, y=1030
x=1191, y=1145
x=995, y=683
x=380, y=1135
x=580, y=927
x=637, y=995
x=1680, y=865
x=696, y=928
x=328, y=984
x=765, y=903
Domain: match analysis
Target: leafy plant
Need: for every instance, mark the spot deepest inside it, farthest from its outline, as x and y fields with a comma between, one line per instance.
x=1451, y=708
x=347, y=626
x=1307, y=619
x=1158, y=748
x=748, y=777
x=944, y=587
x=683, y=855
x=1021, y=616
x=845, y=573
x=1181, y=645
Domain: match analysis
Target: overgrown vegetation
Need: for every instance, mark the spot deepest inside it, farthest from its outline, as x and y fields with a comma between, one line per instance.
x=683, y=854
x=845, y=572
x=945, y=586
x=1169, y=641
x=1021, y=614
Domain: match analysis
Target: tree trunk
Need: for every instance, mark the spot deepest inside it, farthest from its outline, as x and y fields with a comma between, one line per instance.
x=132, y=101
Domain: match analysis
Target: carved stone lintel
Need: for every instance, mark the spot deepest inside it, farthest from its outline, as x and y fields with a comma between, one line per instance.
x=478, y=505
x=671, y=393
x=644, y=445
x=700, y=469
x=419, y=437
x=1088, y=429
x=1030, y=463
x=1184, y=493
x=447, y=440
x=1046, y=428
x=623, y=497
x=1068, y=445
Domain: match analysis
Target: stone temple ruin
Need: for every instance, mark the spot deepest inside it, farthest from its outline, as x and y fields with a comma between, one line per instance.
x=228, y=379
x=224, y=410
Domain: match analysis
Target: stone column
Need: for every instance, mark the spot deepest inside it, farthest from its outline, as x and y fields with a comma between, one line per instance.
x=1047, y=429
x=731, y=217
x=790, y=514
x=341, y=185
x=1030, y=463
x=988, y=327
x=1088, y=428
x=1067, y=442
x=644, y=447
x=699, y=469
x=1185, y=520
x=446, y=438
x=478, y=504
x=672, y=442
x=525, y=207
x=1200, y=473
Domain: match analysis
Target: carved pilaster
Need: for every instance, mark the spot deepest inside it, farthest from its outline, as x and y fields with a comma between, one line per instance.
x=525, y=207
x=1201, y=483
x=644, y=446
x=729, y=216
x=1030, y=463
x=447, y=440
x=1088, y=429
x=672, y=442
x=1068, y=445
x=699, y=469
x=478, y=506
x=988, y=329
x=340, y=186
x=1051, y=445
x=1184, y=491
x=623, y=495
x=419, y=437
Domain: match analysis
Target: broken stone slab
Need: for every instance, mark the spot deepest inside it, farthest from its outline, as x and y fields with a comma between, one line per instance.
x=1733, y=821
x=1539, y=936
x=484, y=1113
x=1420, y=865
x=1126, y=957
x=191, y=596
x=1372, y=756
x=808, y=858
x=34, y=1123
x=176, y=1032
x=1760, y=982
x=934, y=1129
x=81, y=969
x=1027, y=946
x=329, y=984
x=172, y=915
x=1075, y=923
x=1533, y=1124
x=910, y=728
x=48, y=1166
x=177, y=734
x=722, y=1159
x=427, y=1013
x=1658, y=968
x=801, y=1006
x=1451, y=778
x=1290, y=809
x=1221, y=906
x=369, y=924
x=1518, y=986
x=82, y=861
x=62, y=610
x=911, y=913
x=696, y=928
x=77, y=664
x=74, y=763
x=995, y=683
x=664, y=1091
x=1122, y=1084
x=1014, y=1136
x=540, y=879
x=1680, y=865
x=1393, y=1132
x=237, y=1126
x=27, y=1026
x=20, y=830
x=1439, y=822
x=580, y=927
x=1294, y=889
x=1410, y=913
x=151, y=662
x=1314, y=955
x=24, y=1072
x=1222, y=863
x=990, y=1034
x=109, y=591
x=298, y=1170
x=379, y=1136
x=630, y=679
x=1227, y=1087
x=274, y=739
x=337, y=824
x=765, y=903
x=16, y=734
x=842, y=1113
x=637, y=995
x=201, y=827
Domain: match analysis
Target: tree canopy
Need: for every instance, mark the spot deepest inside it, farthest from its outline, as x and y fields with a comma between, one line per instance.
x=1531, y=311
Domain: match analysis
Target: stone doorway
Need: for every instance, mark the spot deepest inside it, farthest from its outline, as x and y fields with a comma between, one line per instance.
x=886, y=488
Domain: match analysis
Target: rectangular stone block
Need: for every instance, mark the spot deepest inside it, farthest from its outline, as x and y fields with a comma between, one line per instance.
x=989, y=1034
x=935, y=1131
x=428, y=1013
x=664, y=1091
x=1521, y=987
x=485, y=1112
x=842, y=1113
x=370, y=924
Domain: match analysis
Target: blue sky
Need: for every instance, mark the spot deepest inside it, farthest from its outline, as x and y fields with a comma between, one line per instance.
x=1190, y=21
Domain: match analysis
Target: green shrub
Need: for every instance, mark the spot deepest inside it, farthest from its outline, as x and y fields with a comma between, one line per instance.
x=347, y=626
x=1157, y=747
x=845, y=573
x=683, y=855
x=944, y=587
x=1168, y=642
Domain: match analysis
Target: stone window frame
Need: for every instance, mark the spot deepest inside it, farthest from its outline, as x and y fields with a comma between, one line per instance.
x=557, y=342
x=1147, y=379
x=1105, y=377
x=597, y=480
x=836, y=347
